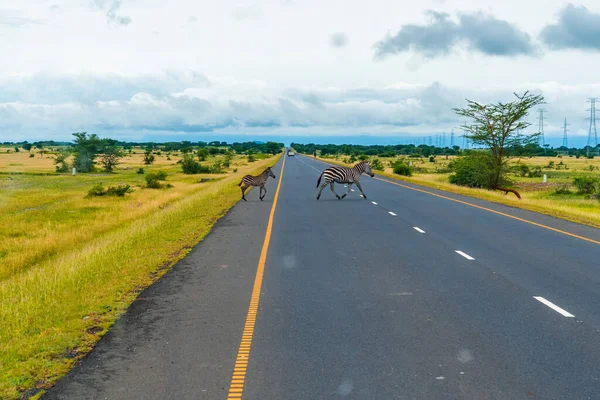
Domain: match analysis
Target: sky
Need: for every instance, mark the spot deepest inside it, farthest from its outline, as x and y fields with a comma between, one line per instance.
x=189, y=70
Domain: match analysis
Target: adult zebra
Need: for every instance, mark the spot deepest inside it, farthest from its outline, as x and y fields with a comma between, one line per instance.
x=258, y=180
x=344, y=175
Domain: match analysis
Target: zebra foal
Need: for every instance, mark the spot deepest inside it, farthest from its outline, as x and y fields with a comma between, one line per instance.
x=337, y=174
x=258, y=180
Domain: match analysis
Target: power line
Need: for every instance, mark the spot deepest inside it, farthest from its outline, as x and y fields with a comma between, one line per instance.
x=592, y=133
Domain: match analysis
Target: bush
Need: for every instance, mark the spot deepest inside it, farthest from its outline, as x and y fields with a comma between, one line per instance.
x=61, y=163
x=189, y=165
x=251, y=158
x=585, y=184
x=148, y=157
x=153, y=180
x=376, y=164
x=401, y=168
x=202, y=154
x=352, y=158
x=475, y=170
x=536, y=172
x=140, y=171
x=98, y=190
x=120, y=190
x=216, y=168
x=363, y=157
x=521, y=169
x=431, y=158
x=562, y=189
x=31, y=155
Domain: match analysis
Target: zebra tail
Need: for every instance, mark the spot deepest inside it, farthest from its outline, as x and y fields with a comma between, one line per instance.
x=319, y=181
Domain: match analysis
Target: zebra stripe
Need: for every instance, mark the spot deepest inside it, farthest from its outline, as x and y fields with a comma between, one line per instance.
x=339, y=174
x=258, y=180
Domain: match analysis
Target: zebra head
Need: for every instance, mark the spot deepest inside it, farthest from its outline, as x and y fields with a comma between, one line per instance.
x=269, y=172
x=366, y=168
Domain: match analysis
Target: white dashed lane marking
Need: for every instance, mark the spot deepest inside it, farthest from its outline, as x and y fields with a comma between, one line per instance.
x=374, y=202
x=553, y=306
x=391, y=213
x=465, y=255
x=416, y=228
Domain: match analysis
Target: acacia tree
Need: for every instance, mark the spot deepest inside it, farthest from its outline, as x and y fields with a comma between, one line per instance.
x=497, y=127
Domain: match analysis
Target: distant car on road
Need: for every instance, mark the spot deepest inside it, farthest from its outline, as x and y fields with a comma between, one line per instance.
x=290, y=153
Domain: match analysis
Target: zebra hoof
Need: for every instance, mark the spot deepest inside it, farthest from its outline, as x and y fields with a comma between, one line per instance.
x=343, y=196
x=339, y=198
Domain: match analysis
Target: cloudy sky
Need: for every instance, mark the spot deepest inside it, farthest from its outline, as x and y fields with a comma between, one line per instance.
x=139, y=69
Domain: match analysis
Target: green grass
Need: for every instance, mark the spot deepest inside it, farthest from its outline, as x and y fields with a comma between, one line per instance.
x=70, y=265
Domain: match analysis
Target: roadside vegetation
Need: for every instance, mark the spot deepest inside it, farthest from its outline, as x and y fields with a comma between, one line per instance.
x=75, y=250
x=506, y=160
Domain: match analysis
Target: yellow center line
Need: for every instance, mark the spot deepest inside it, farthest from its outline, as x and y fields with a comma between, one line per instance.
x=491, y=210
x=236, y=388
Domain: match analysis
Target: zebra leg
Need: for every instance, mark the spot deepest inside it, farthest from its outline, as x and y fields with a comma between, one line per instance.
x=363, y=193
x=261, y=194
x=336, y=195
x=264, y=192
x=321, y=189
x=243, y=190
x=349, y=187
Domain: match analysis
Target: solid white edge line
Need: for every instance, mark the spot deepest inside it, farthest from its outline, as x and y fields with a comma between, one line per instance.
x=374, y=202
x=553, y=306
x=416, y=228
x=391, y=213
x=465, y=255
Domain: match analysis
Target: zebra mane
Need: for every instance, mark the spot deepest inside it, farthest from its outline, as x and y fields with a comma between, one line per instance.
x=360, y=166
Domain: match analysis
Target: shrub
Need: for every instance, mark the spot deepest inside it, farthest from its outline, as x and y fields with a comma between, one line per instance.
x=562, y=189
x=148, y=157
x=31, y=155
x=216, y=168
x=96, y=190
x=251, y=158
x=536, y=172
x=550, y=165
x=227, y=160
x=520, y=169
x=376, y=164
x=189, y=165
x=61, y=162
x=431, y=158
x=352, y=158
x=475, y=170
x=401, y=168
x=140, y=171
x=363, y=157
x=585, y=184
x=153, y=179
x=120, y=190
x=202, y=154
x=235, y=170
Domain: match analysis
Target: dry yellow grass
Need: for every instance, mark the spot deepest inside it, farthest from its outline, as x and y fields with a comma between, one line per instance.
x=573, y=208
x=69, y=263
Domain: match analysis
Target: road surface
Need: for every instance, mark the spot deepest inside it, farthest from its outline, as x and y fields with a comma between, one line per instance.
x=410, y=294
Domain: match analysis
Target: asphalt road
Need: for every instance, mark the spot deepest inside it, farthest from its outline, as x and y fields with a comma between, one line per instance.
x=404, y=295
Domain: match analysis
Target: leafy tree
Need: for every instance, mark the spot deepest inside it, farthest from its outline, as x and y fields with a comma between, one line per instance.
x=60, y=160
x=27, y=146
x=497, y=127
x=16, y=149
x=86, y=149
x=148, y=157
x=110, y=157
x=202, y=154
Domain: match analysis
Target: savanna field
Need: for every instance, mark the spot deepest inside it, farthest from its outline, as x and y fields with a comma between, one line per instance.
x=70, y=263
x=559, y=196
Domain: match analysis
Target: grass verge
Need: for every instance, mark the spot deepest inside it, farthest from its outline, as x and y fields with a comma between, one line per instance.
x=54, y=313
x=575, y=210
